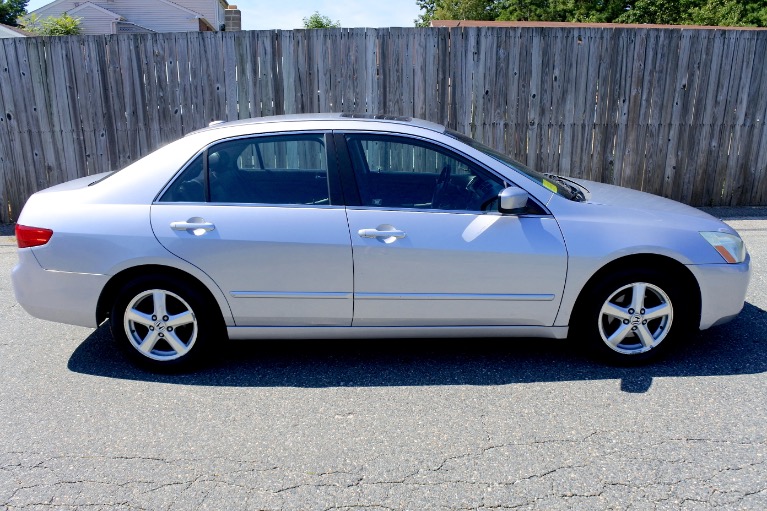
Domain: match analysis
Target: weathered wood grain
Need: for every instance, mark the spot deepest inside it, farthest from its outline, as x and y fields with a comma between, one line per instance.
x=678, y=112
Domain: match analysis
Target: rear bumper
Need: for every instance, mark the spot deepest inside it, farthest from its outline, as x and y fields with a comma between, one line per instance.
x=58, y=296
x=722, y=290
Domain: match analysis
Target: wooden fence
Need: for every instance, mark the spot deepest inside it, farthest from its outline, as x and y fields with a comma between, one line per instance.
x=677, y=112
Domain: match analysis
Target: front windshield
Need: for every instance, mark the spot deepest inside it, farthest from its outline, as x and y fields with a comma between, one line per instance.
x=560, y=189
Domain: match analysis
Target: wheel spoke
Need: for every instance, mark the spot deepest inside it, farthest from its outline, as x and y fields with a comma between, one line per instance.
x=614, y=310
x=158, y=297
x=139, y=317
x=645, y=336
x=175, y=343
x=618, y=336
x=637, y=299
x=147, y=345
x=184, y=318
x=657, y=312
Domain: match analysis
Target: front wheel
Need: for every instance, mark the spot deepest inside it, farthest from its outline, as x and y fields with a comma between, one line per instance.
x=162, y=323
x=632, y=316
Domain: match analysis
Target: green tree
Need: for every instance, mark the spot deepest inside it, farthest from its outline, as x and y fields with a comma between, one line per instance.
x=429, y=7
x=466, y=9
x=50, y=26
x=317, y=20
x=11, y=10
x=535, y=10
x=755, y=14
x=652, y=11
x=665, y=12
x=718, y=12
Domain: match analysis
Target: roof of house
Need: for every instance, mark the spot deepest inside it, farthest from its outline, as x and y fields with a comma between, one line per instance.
x=16, y=30
x=87, y=5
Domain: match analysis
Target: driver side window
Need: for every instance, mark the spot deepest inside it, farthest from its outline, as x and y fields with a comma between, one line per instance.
x=397, y=172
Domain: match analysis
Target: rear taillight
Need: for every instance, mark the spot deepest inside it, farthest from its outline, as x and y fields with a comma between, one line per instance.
x=32, y=236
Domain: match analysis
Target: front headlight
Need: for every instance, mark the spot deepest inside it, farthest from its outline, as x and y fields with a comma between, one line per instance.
x=730, y=247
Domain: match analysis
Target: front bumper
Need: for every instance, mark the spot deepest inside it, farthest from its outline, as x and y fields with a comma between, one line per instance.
x=58, y=296
x=722, y=290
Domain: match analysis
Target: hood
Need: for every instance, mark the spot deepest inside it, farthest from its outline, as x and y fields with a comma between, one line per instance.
x=624, y=206
x=628, y=199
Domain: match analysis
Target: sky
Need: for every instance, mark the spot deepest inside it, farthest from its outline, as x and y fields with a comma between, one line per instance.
x=257, y=15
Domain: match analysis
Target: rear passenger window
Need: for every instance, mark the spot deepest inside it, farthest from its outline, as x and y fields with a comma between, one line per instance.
x=269, y=170
x=190, y=185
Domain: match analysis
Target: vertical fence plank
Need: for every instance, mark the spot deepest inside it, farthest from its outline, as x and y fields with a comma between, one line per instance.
x=754, y=115
x=518, y=53
x=602, y=160
x=15, y=180
x=725, y=48
x=581, y=97
x=39, y=108
x=735, y=118
x=662, y=69
x=631, y=167
x=496, y=68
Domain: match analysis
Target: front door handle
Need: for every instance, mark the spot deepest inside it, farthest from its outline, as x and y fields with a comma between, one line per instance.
x=375, y=233
x=197, y=225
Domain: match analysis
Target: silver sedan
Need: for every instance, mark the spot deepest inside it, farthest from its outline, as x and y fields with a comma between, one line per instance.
x=329, y=226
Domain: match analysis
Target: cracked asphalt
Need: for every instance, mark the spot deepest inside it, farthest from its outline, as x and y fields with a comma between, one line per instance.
x=318, y=425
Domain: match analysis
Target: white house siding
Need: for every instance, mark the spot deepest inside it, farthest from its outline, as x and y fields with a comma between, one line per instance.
x=152, y=14
x=94, y=21
x=211, y=10
x=54, y=9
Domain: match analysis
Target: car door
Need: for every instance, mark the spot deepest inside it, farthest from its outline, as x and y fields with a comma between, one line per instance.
x=261, y=216
x=430, y=248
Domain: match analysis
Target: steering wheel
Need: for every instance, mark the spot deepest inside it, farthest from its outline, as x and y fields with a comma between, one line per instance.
x=483, y=192
x=488, y=202
x=441, y=186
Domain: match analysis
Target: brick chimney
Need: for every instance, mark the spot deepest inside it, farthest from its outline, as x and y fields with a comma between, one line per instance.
x=232, y=19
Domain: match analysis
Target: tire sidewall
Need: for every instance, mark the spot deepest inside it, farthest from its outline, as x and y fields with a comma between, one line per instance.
x=588, y=314
x=206, y=325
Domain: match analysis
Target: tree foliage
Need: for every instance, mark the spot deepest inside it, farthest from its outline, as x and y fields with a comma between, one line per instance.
x=50, y=26
x=664, y=12
x=11, y=10
x=317, y=20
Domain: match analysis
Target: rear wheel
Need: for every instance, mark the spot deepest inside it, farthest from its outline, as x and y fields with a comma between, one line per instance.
x=632, y=316
x=163, y=323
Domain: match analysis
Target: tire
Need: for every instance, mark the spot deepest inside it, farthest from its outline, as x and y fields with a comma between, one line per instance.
x=164, y=324
x=632, y=316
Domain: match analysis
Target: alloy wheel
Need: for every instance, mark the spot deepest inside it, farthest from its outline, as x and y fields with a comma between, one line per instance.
x=635, y=318
x=160, y=325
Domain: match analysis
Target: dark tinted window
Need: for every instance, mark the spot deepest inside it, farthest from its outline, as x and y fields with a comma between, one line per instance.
x=269, y=170
x=405, y=173
x=190, y=185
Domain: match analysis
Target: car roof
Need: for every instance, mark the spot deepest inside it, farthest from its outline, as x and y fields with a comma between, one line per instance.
x=350, y=117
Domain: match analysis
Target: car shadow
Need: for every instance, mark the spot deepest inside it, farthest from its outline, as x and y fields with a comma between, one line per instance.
x=736, y=348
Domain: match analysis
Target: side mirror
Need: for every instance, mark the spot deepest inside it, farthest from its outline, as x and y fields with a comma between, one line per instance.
x=512, y=200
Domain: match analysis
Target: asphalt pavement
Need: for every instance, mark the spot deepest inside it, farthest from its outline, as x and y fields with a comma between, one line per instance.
x=374, y=424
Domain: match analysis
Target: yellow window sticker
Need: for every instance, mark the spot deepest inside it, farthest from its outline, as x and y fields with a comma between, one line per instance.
x=550, y=186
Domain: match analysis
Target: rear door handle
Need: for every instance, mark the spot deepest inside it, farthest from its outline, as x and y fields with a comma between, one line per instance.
x=375, y=233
